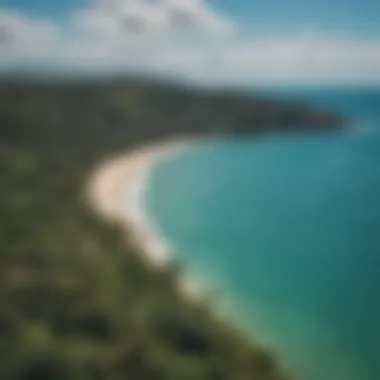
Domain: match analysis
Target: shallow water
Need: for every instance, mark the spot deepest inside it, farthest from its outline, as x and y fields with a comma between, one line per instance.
x=288, y=230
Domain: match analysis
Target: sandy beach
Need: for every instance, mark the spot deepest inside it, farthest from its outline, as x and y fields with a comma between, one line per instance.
x=117, y=191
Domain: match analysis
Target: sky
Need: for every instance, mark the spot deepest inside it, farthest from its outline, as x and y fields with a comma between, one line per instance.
x=213, y=42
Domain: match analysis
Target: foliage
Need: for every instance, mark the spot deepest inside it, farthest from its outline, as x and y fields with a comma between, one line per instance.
x=76, y=302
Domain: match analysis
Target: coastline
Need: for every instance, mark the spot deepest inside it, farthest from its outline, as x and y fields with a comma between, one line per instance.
x=117, y=191
x=96, y=294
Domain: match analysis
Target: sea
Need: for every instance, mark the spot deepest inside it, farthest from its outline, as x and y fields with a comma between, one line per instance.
x=283, y=233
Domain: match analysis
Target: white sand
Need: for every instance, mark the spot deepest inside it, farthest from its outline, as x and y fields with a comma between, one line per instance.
x=117, y=191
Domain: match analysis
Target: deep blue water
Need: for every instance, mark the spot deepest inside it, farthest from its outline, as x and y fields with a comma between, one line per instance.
x=288, y=230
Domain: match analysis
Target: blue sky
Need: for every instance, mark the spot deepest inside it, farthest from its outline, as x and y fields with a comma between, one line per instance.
x=235, y=41
x=342, y=17
x=323, y=12
x=48, y=8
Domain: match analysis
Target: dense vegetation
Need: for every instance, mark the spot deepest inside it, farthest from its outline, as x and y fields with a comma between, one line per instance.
x=75, y=301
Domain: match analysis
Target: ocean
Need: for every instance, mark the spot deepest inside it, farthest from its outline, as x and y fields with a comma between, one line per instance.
x=284, y=232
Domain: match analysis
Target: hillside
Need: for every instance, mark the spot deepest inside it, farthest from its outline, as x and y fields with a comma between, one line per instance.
x=75, y=301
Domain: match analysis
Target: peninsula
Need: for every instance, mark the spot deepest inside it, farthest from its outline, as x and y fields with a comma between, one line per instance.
x=78, y=298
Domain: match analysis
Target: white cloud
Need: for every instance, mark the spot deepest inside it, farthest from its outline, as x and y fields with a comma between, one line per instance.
x=299, y=59
x=169, y=37
x=23, y=37
x=128, y=19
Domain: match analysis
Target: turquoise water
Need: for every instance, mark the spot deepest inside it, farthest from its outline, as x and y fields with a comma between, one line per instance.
x=288, y=230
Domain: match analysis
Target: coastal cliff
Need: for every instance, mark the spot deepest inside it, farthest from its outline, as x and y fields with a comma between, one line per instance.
x=76, y=301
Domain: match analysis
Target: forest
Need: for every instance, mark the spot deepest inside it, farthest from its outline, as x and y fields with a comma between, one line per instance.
x=76, y=301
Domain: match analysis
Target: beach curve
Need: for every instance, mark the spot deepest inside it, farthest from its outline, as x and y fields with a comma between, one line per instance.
x=117, y=192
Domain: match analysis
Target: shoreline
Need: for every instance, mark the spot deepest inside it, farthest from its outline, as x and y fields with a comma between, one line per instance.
x=118, y=189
